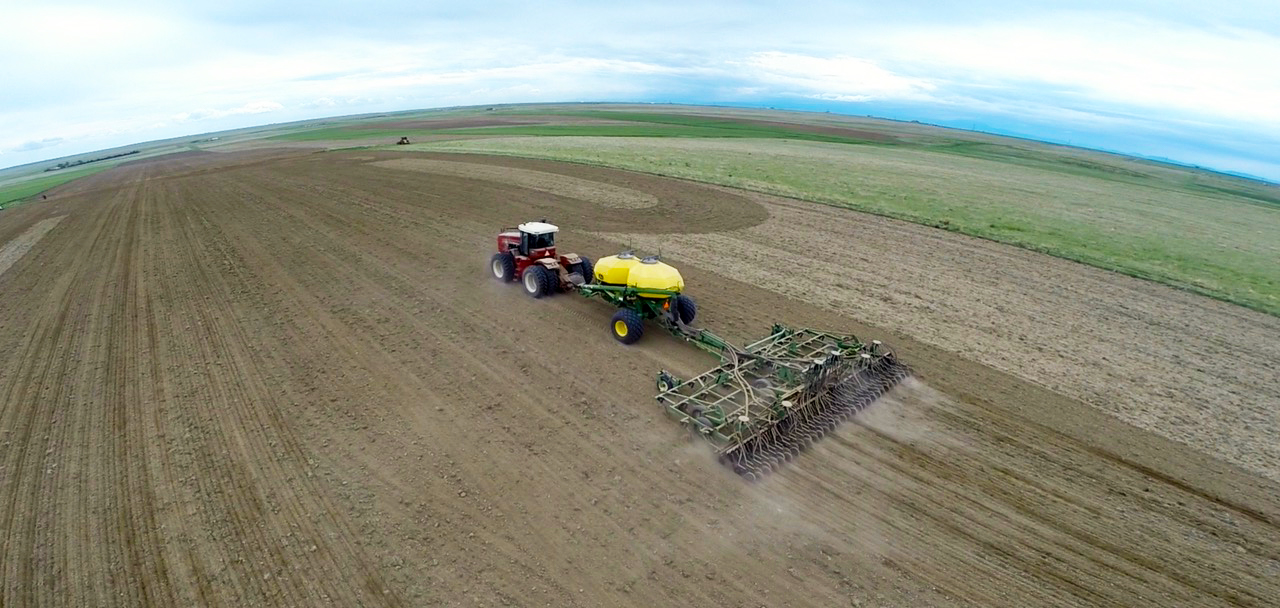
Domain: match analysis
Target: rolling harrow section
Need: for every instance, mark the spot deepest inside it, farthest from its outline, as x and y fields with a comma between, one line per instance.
x=768, y=402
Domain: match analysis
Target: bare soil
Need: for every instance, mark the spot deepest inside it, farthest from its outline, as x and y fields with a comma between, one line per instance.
x=17, y=247
x=563, y=185
x=282, y=378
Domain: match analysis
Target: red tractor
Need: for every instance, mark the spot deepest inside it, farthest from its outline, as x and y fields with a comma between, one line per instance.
x=527, y=253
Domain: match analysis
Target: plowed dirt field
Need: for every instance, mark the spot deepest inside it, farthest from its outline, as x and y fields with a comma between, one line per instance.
x=284, y=378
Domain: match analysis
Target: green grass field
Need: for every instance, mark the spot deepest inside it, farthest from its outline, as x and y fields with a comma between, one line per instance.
x=19, y=191
x=1214, y=235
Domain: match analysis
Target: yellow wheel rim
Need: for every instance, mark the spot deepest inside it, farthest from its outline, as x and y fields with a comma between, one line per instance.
x=620, y=328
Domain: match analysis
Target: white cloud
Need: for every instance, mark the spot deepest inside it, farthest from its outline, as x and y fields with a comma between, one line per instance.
x=833, y=78
x=323, y=102
x=253, y=107
x=33, y=145
x=1107, y=58
x=55, y=30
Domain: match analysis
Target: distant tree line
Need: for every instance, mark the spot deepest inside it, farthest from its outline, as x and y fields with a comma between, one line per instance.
x=64, y=164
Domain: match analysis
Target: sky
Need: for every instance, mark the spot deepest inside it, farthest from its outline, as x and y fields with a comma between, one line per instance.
x=1194, y=82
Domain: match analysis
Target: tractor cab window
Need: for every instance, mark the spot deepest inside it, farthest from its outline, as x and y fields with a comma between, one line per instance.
x=529, y=242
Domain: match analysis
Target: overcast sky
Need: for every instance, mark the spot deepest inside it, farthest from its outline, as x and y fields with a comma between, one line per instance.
x=1197, y=82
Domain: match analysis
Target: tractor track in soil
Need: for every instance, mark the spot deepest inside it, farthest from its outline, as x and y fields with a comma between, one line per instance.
x=282, y=378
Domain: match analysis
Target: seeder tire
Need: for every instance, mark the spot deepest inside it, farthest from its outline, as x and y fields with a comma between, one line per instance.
x=538, y=281
x=626, y=326
x=503, y=266
x=686, y=307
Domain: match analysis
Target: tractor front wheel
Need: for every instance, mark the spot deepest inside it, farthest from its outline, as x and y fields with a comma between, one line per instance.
x=538, y=281
x=586, y=269
x=503, y=266
x=627, y=326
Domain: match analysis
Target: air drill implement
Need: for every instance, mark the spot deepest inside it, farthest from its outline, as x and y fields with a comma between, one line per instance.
x=769, y=401
x=765, y=402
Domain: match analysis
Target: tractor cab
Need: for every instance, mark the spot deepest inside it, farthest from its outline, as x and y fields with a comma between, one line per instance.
x=530, y=240
x=538, y=236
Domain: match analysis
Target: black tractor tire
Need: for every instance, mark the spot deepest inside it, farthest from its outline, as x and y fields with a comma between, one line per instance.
x=538, y=281
x=686, y=308
x=503, y=266
x=627, y=326
x=587, y=269
x=553, y=282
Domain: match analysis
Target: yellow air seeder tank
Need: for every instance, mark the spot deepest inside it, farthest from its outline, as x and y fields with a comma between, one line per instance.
x=649, y=273
x=613, y=270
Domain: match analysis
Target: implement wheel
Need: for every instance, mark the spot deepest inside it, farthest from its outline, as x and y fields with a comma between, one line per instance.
x=686, y=308
x=627, y=326
x=503, y=266
x=538, y=281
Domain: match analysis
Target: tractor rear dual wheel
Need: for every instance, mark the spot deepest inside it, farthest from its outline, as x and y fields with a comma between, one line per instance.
x=627, y=326
x=539, y=281
x=503, y=266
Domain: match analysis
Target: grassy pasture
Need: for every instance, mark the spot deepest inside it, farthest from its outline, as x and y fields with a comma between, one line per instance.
x=17, y=192
x=1215, y=236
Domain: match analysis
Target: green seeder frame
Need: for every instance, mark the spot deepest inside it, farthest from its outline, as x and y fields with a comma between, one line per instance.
x=758, y=386
x=630, y=297
x=769, y=400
